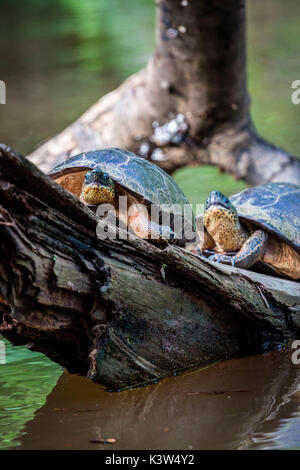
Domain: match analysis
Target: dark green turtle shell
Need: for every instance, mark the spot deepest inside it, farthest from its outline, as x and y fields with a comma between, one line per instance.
x=140, y=176
x=275, y=207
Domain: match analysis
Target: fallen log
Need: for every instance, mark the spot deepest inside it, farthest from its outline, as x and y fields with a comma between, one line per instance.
x=122, y=312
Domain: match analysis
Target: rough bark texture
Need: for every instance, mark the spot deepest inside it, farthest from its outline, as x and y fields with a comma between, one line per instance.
x=198, y=71
x=122, y=312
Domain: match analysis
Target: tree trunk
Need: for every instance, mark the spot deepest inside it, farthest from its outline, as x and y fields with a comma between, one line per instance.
x=122, y=312
x=188, y=106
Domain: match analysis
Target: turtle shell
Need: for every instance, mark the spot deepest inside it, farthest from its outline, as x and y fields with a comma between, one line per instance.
x=275, y=207
x=143, y=178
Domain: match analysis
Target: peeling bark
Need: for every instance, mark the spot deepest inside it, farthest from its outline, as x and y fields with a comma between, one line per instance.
x=122, y=312
x=198, y=71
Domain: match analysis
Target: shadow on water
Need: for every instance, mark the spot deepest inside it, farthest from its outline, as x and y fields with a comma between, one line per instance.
x=250, y=401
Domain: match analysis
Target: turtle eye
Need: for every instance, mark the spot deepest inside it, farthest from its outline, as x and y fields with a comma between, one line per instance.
x=88, y=177
x=105, y=178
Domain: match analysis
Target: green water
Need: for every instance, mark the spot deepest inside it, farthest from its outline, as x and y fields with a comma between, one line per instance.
x=25, y=381
x=57, y=58
x=196, y=183
x=274, y=63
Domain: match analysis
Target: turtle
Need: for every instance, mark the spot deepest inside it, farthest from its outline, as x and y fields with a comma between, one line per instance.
x=256, y=228
x=102, y=176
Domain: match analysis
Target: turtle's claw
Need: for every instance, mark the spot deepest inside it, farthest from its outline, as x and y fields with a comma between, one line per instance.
x=221, y=258
x=215, y=258
x=167, y=234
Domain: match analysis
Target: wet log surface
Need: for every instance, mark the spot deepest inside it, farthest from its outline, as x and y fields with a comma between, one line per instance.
x=122, y=312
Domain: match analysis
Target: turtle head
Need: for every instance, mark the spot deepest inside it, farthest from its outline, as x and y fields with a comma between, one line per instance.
x=222, y=222
x=98, y=188
x=217, y=201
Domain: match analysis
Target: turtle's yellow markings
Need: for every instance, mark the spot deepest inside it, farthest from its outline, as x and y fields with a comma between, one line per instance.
x=95, y=194
x=224, y=227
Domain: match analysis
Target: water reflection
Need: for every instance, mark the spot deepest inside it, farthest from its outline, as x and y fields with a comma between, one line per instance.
x=257, y=398
x=26, y=379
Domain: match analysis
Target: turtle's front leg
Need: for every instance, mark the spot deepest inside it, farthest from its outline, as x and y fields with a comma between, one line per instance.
x=252, y=250
x=144, y=228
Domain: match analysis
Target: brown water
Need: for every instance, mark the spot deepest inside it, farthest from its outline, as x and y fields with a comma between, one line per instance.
x=57, y=58
x=252, y=403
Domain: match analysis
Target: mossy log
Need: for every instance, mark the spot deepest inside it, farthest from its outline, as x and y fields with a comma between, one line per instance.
x=122, y=312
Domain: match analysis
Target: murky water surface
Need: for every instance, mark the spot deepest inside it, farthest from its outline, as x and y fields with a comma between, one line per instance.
x=57, y=58
x=247, y=403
